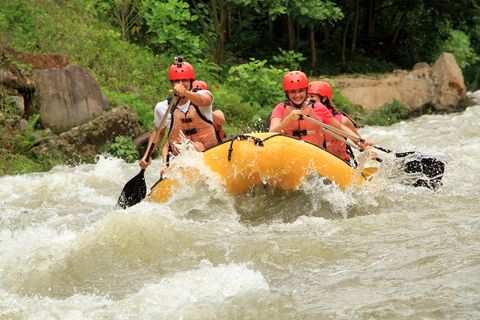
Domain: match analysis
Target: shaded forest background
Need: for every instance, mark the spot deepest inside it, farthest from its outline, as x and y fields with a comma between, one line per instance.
x=242, y=48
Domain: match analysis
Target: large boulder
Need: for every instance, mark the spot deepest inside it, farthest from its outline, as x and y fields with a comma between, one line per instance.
x=68, y=97
x=86, y=141
x=440, y=86
x=448, y=83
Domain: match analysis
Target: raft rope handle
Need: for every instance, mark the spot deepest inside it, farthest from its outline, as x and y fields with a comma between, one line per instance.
x=242, y=137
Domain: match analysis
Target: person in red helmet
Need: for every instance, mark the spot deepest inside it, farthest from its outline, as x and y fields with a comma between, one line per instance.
x=321, y=92
x=218, y=115
x=199, y=85
x=191, y=118
x=287, y=117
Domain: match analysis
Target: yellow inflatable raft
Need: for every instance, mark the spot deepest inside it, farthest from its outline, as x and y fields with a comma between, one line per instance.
x=279, y=161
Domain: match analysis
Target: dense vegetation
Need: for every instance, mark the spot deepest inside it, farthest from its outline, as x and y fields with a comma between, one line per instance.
x=241, y=48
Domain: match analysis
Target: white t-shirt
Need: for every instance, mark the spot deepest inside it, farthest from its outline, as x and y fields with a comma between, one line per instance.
x=162, y=106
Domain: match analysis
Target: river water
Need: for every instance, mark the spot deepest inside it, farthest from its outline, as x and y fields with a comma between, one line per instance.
x=387, y=251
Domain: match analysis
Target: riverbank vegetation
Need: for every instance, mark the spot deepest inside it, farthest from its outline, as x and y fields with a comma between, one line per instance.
x=241, y=48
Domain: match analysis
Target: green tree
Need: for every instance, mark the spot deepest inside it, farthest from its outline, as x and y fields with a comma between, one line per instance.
x=458, y=43
x=127, y=14
x=168, y=27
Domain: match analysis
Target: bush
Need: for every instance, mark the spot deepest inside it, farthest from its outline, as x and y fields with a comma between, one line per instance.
x=16, y=155
x=257, y=83
x=289, y=60
x=458, y=43
x=238, y=114
x=472, y=77
x=144, y=111
x=123, y=148
x=388, y=114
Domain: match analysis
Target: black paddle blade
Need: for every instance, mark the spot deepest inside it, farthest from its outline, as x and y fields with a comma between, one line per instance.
x=431, y=169
x=134, y=191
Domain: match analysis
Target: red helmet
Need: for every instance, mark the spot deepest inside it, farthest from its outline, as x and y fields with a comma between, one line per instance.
x=181, y=71
x=295, y=80
x=321, y=88
x=199, y=85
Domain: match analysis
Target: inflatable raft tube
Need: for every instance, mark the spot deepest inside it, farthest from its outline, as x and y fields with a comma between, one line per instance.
x=280, y=161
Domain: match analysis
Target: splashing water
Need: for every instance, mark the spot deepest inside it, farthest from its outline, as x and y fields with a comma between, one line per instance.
x=387, y=250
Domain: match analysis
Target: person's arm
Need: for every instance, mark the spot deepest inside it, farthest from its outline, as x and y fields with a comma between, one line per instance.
x=278, y=125
x=218, y=117
x=348, y=123
x=202, y=98
x=164, y=159
x=144, y=162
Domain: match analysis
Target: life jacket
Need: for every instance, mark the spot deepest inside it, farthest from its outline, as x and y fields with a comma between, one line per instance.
x=194, y=126
x=303, y=128
x=219, y=131
x=336, y=146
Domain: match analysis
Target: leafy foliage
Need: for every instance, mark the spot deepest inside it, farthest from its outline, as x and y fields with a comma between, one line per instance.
x=123, y=148
x=143, y=110
x=388, y=114
x=458, y=43
x=16, y=156
x=289, y=60
x=167, y=22
x=257, y=83
x=242, y=48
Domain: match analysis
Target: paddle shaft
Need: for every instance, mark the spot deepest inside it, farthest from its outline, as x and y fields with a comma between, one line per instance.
x=332, y=128
x=336, y=136
x=135, y=189
x=173, y=104
x=354, y=138
x=329, y=129
x=429, y=166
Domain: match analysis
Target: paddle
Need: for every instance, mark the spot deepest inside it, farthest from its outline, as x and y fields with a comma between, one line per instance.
x=366, y=172
x=135, y=190
x=430, y=166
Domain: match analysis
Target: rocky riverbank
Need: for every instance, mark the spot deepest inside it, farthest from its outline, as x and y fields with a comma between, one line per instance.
x=77, y=121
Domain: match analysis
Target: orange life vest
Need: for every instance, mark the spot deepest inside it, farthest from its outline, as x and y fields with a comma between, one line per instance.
x=305, y=129
x=194, y=126
x=335, y=146
x=219, y=131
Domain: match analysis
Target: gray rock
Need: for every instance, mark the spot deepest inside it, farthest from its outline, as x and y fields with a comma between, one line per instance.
x=68, y=97
x=89, y=139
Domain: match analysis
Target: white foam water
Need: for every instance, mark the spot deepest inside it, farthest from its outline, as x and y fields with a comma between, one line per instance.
x=387, y=250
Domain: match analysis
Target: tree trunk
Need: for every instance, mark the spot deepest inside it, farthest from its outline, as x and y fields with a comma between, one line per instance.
x=344, y=37
x=270, y=30
x=397, y=29
x=370, y=19
x=229, y=26
x=205, y=28
x=291, y=32
x=218, y=17
x=218, y=12
x=127, y=16
x=313, y=48
x=355, y=27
